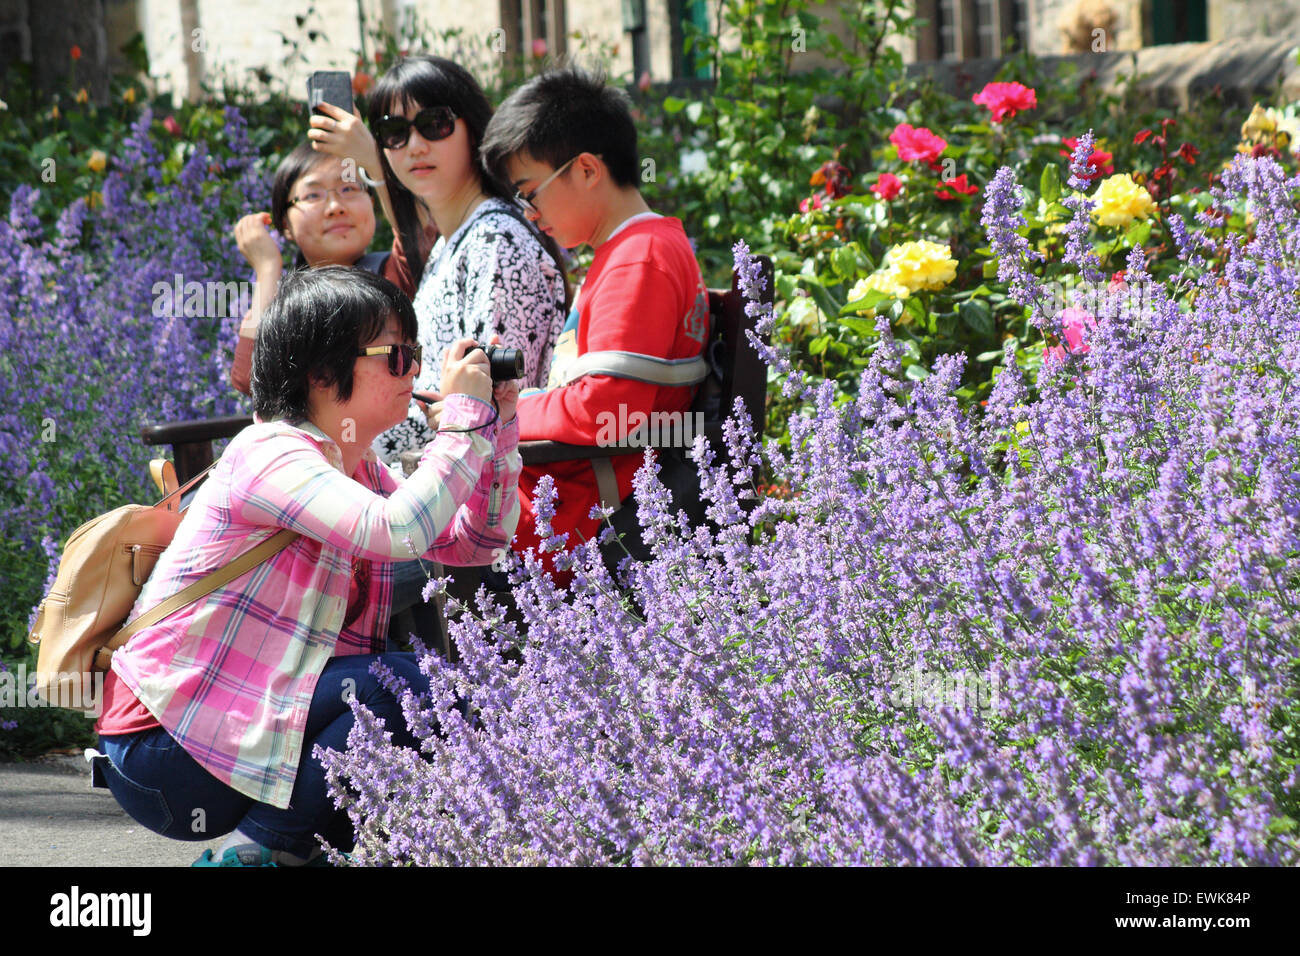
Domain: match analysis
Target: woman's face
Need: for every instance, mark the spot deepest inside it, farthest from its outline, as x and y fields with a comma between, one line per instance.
x=434, y=170
x=379, y=399
x=332, y=221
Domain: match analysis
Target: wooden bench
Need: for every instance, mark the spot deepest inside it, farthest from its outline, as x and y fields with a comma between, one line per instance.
x=740, y=372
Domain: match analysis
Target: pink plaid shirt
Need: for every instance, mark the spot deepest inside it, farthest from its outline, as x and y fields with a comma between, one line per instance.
x=231, y=675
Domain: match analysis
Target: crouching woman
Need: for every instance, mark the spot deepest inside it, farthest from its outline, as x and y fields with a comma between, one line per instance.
x=211, y=714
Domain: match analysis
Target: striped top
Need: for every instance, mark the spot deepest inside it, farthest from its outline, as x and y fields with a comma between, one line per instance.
x=231, y=675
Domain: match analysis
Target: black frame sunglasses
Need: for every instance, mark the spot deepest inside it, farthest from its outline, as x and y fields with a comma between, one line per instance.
x=401, y=358
x=433, y=122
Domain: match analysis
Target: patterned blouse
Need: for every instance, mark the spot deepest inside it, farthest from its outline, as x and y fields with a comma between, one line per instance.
x=492, y=275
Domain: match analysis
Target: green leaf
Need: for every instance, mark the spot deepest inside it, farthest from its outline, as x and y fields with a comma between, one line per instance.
x=990, y=270
x=824, y=300
x=871, y=300
x=916, y=372
x=1139, y=232
x=1049, y=184
x=845, y=262
x=673, y=105
x=978, y=316
x=863, y=327
x=818, y=345
x=915, y=309
x=989, y=356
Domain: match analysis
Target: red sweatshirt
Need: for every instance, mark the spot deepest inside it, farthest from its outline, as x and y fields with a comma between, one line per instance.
x=644, y=294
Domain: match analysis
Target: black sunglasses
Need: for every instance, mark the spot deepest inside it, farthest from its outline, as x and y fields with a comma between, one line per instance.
x=401, y=358
x=433, y=122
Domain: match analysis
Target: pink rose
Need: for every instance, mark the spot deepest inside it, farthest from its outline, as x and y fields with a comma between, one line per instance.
x=1006, y=99
x=917, y=144
x=1074, y=321
x=171, y=126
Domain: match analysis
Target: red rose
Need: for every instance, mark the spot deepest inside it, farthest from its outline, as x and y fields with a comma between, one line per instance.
x=75, y=52
x=959, y=184
x=917, y=144
x=1006, y=99
x=360, y=83
x=808, y=205
x=1189, y=153
x=171, y=126
x=887, y=186
x=539, y=48
x=1098, y=160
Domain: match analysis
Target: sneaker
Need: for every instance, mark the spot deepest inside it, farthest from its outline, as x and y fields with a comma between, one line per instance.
x=250, y=854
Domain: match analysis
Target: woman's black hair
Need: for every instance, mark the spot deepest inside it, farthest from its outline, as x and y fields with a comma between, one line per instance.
x=293, y=167
x=312, y=330
x=434, y=81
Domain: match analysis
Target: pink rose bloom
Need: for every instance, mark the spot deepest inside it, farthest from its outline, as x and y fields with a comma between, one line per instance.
x=1006, y=99
x=171, y=126
x=917, y=144
x=539, y=47
x=1074, y=321
x=887, y=186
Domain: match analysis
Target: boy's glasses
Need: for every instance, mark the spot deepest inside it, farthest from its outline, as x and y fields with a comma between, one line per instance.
x=348, y=192
x=526, y=201
x=433, y=122
x=401, y=358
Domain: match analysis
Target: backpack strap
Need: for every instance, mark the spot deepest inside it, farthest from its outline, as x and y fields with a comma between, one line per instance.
x=506, y=210
x=638, y=367
x=373, y=261
x=204, y=586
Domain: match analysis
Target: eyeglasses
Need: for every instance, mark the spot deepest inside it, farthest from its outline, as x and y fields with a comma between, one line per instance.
x=401, y=358
x=527, y=201
x=348, y=192
x=433, y=122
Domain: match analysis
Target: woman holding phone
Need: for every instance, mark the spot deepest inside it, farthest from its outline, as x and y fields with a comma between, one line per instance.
x=219, y=706
x=490, y=270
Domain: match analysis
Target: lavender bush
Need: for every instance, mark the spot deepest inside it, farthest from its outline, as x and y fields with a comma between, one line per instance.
x=1110, y=570
x=84, y=360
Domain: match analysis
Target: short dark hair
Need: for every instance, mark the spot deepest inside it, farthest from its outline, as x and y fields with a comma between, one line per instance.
x=557, y=115
x=313, y=328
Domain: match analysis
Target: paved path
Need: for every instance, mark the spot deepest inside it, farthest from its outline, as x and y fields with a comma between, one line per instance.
x=49, y=816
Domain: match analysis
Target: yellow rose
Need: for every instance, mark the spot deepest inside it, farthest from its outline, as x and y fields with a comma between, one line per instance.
x=129, y=95
x=1259, y=125
x=97, y=161
x=876, y=282
x=1120, y=200
x=921, y=265
x=82, y=96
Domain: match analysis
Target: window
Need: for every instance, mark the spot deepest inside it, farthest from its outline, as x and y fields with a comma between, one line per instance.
x=1177, y=21
x=967, y=29
x=689, y=17
x=528, y=20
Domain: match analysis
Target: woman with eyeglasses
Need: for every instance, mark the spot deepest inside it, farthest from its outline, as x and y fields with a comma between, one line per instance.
x=489, y=271
x=329, y=216
x=212, y=714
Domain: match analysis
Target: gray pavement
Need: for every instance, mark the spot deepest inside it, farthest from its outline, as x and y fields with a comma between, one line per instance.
x=50, y=816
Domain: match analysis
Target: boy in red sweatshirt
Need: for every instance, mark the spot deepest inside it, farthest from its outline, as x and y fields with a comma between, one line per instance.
x=567, y=144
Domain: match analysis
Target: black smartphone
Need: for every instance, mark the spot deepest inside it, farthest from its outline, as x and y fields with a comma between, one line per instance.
x=329, y=86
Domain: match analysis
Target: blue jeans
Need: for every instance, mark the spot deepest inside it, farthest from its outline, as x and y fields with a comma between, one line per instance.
x=420, y=618
x=165, y=790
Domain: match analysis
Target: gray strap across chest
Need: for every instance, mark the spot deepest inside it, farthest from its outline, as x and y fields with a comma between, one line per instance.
x=638, y=367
